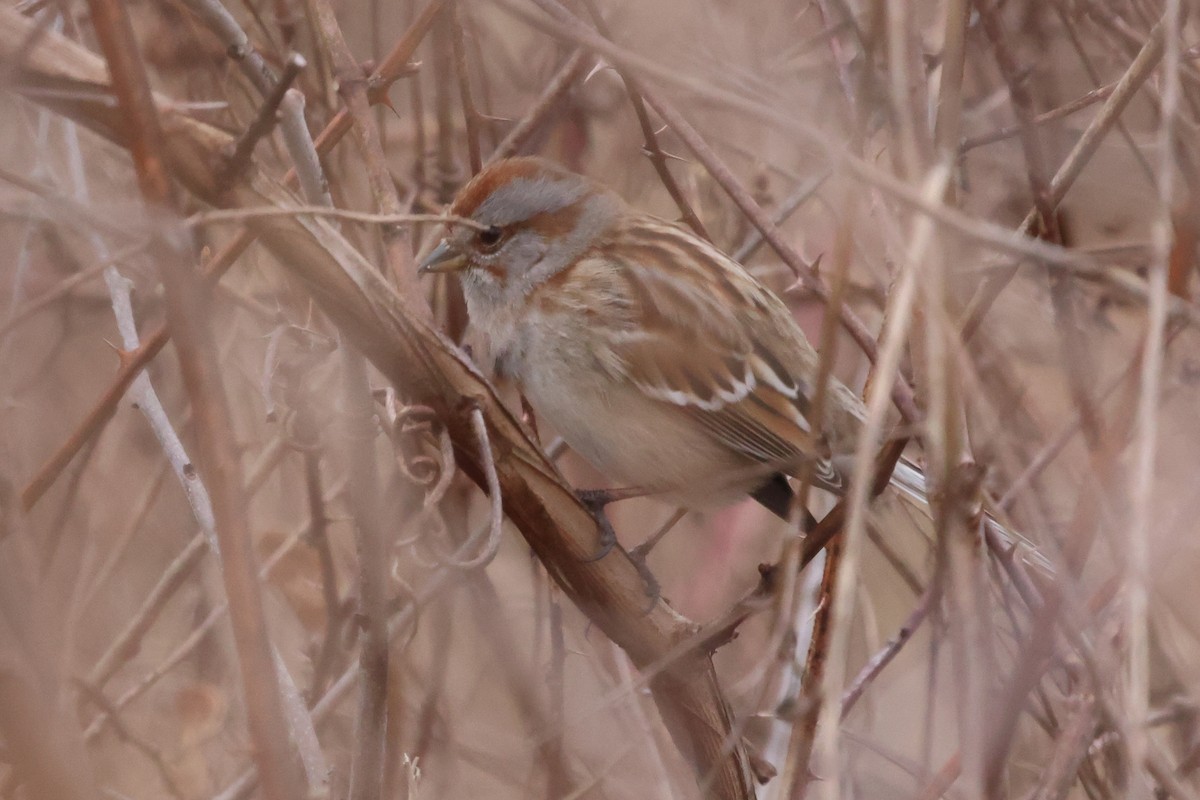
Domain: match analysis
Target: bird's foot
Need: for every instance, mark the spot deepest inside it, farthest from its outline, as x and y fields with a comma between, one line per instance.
x=595, y=501
x=650, y=583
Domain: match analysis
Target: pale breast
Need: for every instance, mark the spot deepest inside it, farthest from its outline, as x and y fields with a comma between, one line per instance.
x=632, y=439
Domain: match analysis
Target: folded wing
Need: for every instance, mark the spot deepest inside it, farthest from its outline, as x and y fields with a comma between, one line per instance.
x=689, y=327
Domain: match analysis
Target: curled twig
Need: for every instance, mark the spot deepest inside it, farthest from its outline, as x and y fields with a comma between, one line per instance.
x=496, y=520
x=436, y=473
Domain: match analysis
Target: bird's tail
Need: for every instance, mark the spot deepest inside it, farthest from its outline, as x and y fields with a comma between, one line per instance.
x=909, y=481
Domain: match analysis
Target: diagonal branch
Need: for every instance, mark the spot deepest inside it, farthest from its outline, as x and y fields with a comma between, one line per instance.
x=408, y=350
x=201, y=376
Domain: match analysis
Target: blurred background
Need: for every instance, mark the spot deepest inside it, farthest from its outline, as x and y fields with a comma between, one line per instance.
x=1030, y=168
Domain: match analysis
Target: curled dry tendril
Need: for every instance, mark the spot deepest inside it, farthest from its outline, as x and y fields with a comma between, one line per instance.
x=424, y=451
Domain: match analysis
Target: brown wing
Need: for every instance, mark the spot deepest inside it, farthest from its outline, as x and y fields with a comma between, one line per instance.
x=688, y=326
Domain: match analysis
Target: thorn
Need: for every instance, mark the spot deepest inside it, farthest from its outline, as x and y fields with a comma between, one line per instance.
x=648, y=154
x=800, y=284
x=600, y=65
x=386, y=102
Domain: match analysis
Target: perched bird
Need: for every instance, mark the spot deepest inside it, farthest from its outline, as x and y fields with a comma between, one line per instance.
x=656, y=357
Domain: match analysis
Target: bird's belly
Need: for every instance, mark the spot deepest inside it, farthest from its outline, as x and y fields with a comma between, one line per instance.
x=636, y=441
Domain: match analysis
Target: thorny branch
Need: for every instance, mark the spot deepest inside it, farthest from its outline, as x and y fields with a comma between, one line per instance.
x=1070, y=658
x=404, y=348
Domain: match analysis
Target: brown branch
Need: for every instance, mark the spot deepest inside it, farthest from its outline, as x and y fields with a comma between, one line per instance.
x=389, y=70
x=353, y=89
x=1128, y=85
x=653, y=150
x=555, y=90
x=1022, y=102
x=126, y=734
x=96, y=418
x=414, y=355
x=308, y=441
x=264, y=121
x=880, y=660
x=42, y=745
x=1182, y=260
x=463, y=76
x=187, y=318
x=443, y=67
x=1065, y=110
x=366, y=774
x=804, y=729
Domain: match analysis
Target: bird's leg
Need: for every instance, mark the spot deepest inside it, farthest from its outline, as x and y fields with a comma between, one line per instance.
x=643, y=549
x=595, y=500
x=638, y=555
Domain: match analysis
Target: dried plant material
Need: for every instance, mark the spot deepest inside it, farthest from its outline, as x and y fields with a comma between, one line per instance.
x=983, y=212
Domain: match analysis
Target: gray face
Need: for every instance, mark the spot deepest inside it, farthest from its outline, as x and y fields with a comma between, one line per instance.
x=545, y=222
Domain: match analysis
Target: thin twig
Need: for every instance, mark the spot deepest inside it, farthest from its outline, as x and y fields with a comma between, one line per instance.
x=96, y=697
x=653, y=149
x=1065, y=110
x=197, y=356
x=254, y=67
x=220, y=215
x=132, y=363
x=561, y=83
x=803, y=191
x=65, y=287
x=1143, y=506
x=804, y=728
x=366, y=773
x=353, y=87
x=265, y=120
x=463, y=75
x=886, y=373
x=1128, y=85
x=493, y=530
x=880, y=660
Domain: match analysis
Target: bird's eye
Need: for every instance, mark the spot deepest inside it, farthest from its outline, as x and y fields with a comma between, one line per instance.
x=490, y=237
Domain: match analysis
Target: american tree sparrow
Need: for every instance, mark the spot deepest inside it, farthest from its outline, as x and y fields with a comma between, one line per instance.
x=658, y=358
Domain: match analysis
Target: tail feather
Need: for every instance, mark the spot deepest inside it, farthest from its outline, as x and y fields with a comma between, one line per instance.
x=909, y=482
